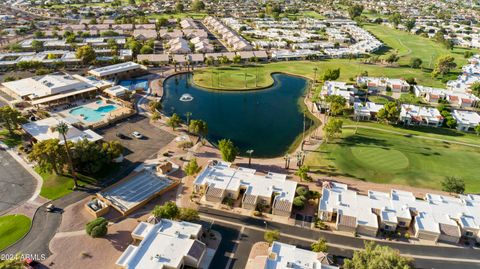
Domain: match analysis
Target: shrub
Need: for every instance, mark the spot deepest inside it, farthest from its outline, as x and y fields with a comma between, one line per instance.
x=185, y=145
x=299, y=202
x=301, y=191
x=99, y=231
x=97, y=227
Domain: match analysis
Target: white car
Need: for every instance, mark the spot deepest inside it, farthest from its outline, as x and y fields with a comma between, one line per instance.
x=137, y=135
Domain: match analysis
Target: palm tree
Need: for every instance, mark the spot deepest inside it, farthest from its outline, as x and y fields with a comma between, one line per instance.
x=62, y=128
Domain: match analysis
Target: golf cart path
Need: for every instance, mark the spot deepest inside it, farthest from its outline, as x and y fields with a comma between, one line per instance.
x=414, y=135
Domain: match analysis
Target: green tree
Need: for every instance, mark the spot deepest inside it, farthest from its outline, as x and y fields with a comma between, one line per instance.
x=199, y=128
x=332, y=129
x=410, y=24
x=169, y=210
x=336, y=104
x=37, y=45
x=134, y=45
x=11, y=118
x=154, y=106
x=228, y=150
x=301, y=191
x=331, y=74
x=179, y=7
x=415, y=62
x=320, y=245
x=237, y=59
x=475, y=87
x=198, y=5
x=271, y=235
x=477, y=129
x=389, y=113
x=377, y=257
x=62, y=129
x=302, y=172
x=49, y=156
x=97, y=227
x=299, y=202
x=444, y=65
x=453, y=185
x=146, y=50
x=86, y=54
x=392, y=58
x=192, y=167
x=355, y=11
x=174, y=121
x=395, y=19
x=188, y=214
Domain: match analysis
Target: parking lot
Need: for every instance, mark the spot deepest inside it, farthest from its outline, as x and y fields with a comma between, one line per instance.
x=16, y=184
x=137, y=150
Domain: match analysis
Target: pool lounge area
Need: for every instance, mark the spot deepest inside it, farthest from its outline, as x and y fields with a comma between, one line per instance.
x=92, y=115
x=91, y=112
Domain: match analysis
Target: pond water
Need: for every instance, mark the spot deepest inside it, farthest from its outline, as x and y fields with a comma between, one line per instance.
x=267, y=121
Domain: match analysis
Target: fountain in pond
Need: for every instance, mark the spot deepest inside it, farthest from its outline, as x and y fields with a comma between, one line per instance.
x=186, y=97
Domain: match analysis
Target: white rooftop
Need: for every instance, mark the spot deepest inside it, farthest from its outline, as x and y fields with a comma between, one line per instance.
x=222, y=176
x=284, y=256
x=114, y=69
x=163, y=245
x=45, y=129
x=40, y=86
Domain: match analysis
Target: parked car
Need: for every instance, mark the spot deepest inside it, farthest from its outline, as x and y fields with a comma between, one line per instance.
x=121, y=136
x=137, y=135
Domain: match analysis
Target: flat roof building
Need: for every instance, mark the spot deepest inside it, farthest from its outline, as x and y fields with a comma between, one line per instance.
x=220, y=180
x=434, y=218
x=466, y=120
x=42, y=86
x=284, y=256
x=168, y=244
x=45, y=129
x=118, y=70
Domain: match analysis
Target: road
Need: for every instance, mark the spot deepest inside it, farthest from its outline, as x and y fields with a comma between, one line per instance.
x=250, y=230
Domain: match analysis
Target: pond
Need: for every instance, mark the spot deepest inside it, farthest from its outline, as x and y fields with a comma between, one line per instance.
x=267, y=121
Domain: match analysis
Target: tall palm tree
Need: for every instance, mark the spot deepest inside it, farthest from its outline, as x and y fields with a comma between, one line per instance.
x=62, y=128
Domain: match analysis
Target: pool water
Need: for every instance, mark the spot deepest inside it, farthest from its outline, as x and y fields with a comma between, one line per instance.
x=133, y=84
x=267, y=121
x=92, y=115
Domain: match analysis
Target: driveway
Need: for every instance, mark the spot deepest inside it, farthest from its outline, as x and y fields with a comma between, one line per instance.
x=16, y=184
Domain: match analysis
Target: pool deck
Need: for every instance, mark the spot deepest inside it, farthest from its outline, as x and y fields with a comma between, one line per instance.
x=92, y=105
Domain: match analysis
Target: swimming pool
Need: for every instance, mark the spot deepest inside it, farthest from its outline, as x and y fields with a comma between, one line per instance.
x=92, y=115
x=133, y=84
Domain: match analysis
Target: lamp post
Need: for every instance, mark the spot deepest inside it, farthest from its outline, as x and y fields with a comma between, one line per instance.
x=249, y=152
x=287, y=161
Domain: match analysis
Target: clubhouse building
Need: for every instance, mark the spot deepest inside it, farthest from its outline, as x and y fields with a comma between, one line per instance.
x=434, y=218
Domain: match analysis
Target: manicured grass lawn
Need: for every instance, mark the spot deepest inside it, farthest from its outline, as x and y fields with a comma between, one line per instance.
x=11, y=140
x=233, y=78
x=194, y=15
x=12, y=228
x=378, y=99
x=376, y=156
x=56, y=186
x=409, y=46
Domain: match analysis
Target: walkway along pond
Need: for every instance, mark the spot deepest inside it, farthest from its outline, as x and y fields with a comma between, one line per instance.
x=267, y=121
